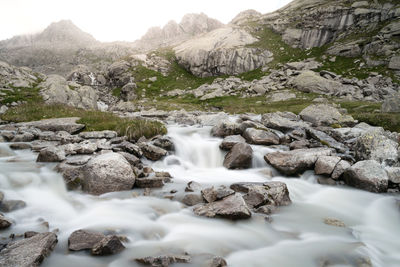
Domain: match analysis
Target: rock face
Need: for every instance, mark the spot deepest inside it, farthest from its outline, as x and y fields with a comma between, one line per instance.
x=239, y=157
x=296, y=161
x=367, y=175
x=109, y=172
x=55, y=90
x=83, y=239
x=232, y=207
x=326, y=115
x=221, y=51
x=29, y=251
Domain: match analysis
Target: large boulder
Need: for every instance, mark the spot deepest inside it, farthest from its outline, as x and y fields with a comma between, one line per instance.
x=152, y=152
x=326, y=164
x=260, y=137
x=311, y=82
x=296, y=161
x=29, y=251
x=283, y=121
x=51, y=154
x=222, y=51
x=230, y=141
x=326, y=115
x=239, y=157
x=394, y=63
x=108, y=172
x=232, y=207
x=55, y=90
x=375, y=145
x=367, y=175
x=226, y=128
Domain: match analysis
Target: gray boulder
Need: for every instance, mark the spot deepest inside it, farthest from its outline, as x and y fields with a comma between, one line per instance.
x=375, y=145
x=340, y=168
x=99, y=134
x=367, y=175
x=108, y=172
x=83, y=239
x=324, y=114
x=109, y=245
x=260, y=137
x=226, y=128
x=192, y=199
x=393, y=174
x=326, y=164
x=69, y=125
x=283, y=121
x=394, y=63
x=230, y=141
x=11, y=205
x=391, y=104
x=239, y=157
x=4, y=222
x=296, y=161
x=128, y=92
x=232, y=207
x=152, y=152
x=29, y=251
x=164, y=260
x=51, y=154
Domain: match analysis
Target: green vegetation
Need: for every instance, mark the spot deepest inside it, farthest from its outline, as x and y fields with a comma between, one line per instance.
x=116, y=92
x=94, y=120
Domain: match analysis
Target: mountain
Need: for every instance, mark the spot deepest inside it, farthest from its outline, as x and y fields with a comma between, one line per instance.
x=59, y=48
x=173, y=33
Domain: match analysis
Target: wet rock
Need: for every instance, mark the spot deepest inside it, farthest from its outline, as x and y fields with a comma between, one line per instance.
x=296, y=161
x=164, y=142
x=226, y=128
x=326, y=181
x=78, y=160
x=29, y=234
x=11, y=205
x=340, y=168
x=260, y=137
x=367, y=175
x=334, y=222
x=218, y=262
x=60, y=124
x=326, y=164
x=132, y=159
x=109, y=245
x=239, y=157
x=24, y=137
x=98, y=134
x=393, y=174
x=230, y=141
x=4, y=223
x=152, y=152
x=20, y=146
x=192, y=186
x=232, y=207
x=283, y=121
x=39, y=145
x=51, y=154
x=375, y=146
x=209, y=194
x=109, y=172
x=28, y=252
x=326, y=115
x=164, y=261
x=83, y=239
x=73, y=175
x=326, y=140
x=151, y=182
x=391, y=104
x=192, y=199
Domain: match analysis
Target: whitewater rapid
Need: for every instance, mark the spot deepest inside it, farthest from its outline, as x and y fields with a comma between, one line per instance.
x=296, y=236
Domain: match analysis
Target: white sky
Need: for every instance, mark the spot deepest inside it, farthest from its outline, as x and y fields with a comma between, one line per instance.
x=112, y=20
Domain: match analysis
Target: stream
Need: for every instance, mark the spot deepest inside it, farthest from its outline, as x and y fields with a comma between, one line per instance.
x=297, y=235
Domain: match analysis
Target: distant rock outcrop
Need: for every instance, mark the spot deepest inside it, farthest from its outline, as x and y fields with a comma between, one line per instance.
x=173, y=33
x=222, y=51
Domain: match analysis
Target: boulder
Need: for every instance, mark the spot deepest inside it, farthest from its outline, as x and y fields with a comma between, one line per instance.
x=391, y=104
x=60, y=124
x=296, y=161
x=351, y=49
x=51, y=154
x=29, y=251
x=367, y=175
x=303, y=65
x=130, y=148
x=165, y=260
x=11, y=205
x=260, y=137
x=324, y=114
x=340, y=168
x=192, y=199
x=374, y=145
x=83, y=239
x=4, y=222
x=230, y=141
x=209, y=194
x=128, y=92
x=326, y=140
x=108, y=172
x=232, y=207
x=394, y=63
x=152, y=152
x=239, y=157
x=283, y=121
x=164, y=142
x=20, y=146
x=222, y=51
x=24, y=137
x=109, y=245
x=326, y=164
x=393, y=174
x=225, y=128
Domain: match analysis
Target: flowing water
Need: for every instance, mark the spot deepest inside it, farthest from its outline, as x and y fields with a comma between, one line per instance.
x=297, y=235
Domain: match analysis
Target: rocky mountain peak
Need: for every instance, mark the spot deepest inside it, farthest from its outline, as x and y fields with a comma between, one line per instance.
x=245, y=16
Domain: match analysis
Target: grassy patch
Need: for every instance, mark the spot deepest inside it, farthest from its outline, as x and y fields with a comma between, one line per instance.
x=116, y=92
x=94, y=120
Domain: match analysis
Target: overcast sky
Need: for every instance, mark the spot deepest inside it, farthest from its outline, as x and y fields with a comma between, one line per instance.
x=112, y=20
